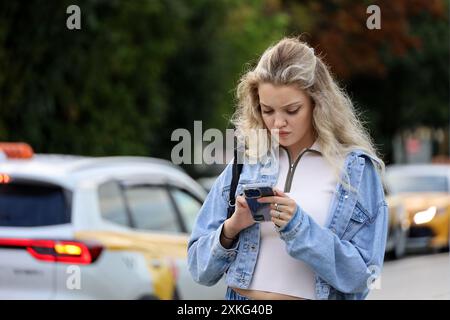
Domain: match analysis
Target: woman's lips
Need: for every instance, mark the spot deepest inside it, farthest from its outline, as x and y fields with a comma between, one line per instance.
x=284, y=134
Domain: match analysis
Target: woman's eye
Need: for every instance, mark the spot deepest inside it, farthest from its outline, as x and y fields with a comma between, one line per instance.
x=267, y=111
x=293, y=111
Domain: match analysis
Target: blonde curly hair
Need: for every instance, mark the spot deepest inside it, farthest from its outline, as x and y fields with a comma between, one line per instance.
x=335, y=120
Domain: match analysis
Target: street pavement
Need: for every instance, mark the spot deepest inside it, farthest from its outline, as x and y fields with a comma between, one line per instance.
x=415, y=277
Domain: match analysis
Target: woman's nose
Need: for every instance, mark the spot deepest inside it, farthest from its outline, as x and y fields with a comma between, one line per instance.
x=280, y=122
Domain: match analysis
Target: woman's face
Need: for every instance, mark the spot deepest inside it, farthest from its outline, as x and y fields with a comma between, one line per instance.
x=288, y=109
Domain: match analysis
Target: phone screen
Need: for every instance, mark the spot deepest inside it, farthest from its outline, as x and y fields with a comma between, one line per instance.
x=260, y=211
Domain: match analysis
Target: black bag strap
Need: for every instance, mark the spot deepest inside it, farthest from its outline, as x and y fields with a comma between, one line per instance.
x=237, y=169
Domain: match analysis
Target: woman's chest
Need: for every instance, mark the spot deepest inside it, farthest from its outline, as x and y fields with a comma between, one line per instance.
x=311, y=183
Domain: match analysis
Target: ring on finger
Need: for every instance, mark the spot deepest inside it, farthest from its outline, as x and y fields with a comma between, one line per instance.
x=278, y=214
x=276, y=207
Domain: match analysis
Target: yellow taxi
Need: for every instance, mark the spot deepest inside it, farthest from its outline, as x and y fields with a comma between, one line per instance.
x=423, y=190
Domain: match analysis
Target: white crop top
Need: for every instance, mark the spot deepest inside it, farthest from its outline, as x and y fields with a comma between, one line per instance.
x=313, y=185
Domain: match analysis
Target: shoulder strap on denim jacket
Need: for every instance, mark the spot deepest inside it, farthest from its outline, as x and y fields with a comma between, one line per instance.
x=237, y=169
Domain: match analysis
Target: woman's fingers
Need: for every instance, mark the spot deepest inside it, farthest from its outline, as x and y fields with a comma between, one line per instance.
x=280, y=193
x=274, y=199
x=278, y=222
x=277, y=214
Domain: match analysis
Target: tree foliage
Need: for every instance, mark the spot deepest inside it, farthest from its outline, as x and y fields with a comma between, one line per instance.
x=398, y=76
x=133, y=73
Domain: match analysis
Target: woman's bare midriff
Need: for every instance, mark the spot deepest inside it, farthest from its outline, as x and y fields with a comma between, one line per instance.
x=264, y=295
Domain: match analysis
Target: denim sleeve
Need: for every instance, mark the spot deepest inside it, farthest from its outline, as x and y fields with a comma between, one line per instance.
x=207, y=258
x=348, y=266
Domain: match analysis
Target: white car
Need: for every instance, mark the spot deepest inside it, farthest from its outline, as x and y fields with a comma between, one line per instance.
x=97, y=228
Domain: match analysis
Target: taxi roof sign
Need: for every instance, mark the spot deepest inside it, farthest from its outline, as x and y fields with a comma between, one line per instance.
x=16, y=150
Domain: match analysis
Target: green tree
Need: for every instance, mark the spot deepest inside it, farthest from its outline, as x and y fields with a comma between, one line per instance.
x=398, y=75
x=94, y=91
x=133, y=73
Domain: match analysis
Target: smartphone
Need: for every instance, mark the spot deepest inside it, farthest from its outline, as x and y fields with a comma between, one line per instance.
x=260, y=211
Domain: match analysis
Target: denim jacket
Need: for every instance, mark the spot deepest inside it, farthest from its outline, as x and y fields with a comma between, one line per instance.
x=346, y=255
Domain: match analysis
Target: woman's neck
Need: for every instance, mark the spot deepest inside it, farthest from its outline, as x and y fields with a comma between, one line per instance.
x=295, y=149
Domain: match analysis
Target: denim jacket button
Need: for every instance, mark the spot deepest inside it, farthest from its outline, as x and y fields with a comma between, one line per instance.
x=346, y=196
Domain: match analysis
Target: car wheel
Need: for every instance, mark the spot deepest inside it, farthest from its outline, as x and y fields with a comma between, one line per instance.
x=176, y=295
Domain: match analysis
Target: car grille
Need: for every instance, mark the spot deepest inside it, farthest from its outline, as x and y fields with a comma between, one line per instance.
x=419, y=232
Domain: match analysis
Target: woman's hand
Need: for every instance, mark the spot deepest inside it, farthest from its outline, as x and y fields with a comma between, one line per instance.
x=282, y=208
x=242, y=218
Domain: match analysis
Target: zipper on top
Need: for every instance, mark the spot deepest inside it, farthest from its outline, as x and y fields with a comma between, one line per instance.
x=293, y=166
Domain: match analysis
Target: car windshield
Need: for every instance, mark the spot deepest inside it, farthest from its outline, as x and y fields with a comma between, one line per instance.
x=401, y=183
x=31, y=205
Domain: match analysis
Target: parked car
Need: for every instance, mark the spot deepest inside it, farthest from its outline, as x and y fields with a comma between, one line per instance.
x=424, y=191
x=122, y=223
x=207, y=182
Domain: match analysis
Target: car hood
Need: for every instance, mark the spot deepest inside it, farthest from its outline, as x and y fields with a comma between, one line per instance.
x=418, y=201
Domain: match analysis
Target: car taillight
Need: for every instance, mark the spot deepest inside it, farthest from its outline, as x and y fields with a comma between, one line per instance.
x=74, y=252
x=4, y=178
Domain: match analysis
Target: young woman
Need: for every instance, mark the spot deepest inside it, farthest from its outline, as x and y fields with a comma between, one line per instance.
x=327, y=234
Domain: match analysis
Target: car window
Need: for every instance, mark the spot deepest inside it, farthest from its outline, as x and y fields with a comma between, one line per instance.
x=32, y=205
x=112, y=203
x=401, y=183
x=152, y=209
x=188, y=206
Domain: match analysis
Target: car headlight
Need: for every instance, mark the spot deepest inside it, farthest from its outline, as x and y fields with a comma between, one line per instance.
x=425, y=216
